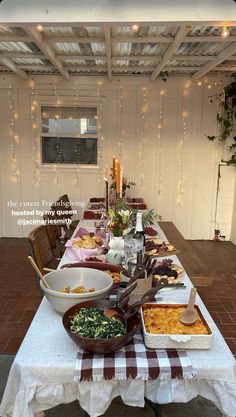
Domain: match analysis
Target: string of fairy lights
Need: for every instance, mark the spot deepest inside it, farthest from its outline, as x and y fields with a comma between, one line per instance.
x=77, y=147
x=100, y=136
x=35, y=140
x=120, y=123
x=159, y=146
x=103, y=169
x=142, y=112
x=14, y=137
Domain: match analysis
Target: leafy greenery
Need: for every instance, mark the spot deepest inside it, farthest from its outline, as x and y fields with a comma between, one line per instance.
x=225, y=117
x=164, y=75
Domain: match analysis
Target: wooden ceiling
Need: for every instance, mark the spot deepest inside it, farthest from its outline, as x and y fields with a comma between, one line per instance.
x=117, y=50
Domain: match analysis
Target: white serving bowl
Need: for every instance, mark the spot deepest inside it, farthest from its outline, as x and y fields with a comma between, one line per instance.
x=74, y=277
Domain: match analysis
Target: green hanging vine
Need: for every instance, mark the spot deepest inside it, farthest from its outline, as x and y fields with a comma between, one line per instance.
x=226, y=117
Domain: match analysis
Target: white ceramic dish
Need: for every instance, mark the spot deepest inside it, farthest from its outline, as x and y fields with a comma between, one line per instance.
x=74, y=277
x=178, y=341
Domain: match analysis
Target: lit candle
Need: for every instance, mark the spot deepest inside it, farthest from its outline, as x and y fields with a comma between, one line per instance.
x=117, y=176
x=106, y=195
x=114, y=166
x=121, y=182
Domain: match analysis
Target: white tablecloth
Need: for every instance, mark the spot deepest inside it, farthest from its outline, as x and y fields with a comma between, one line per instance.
x=42, y=374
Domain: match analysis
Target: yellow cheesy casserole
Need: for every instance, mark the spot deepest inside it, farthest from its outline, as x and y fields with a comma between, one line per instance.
x=165, y=320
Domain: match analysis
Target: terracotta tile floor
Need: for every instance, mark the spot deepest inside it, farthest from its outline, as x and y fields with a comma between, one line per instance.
x=20, y=295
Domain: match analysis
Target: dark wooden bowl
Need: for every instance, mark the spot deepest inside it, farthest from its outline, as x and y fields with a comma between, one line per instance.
x=101, y=345
x=102, y=266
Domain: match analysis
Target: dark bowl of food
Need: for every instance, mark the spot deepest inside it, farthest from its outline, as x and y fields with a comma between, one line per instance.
x=86, y=325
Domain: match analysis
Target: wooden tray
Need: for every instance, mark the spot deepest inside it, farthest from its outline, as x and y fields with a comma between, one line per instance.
x=163, y=253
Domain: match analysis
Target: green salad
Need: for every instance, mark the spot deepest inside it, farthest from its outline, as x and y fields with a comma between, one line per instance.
x=92, y=323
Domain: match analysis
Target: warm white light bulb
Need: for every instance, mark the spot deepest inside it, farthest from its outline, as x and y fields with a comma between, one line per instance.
x=225, y=32
x=135, y=27
x=39, y=28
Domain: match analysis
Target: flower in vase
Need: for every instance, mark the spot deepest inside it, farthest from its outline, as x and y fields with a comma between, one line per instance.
x=125, y=184
x=119, y=220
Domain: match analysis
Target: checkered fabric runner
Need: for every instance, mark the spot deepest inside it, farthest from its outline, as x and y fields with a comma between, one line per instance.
x=133, y=361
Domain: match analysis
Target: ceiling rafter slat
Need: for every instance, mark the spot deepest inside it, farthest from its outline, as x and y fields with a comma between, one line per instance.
x=13, y=67
x=226, y=53
x=107, y=33
x=172, y=48
x=47, y=50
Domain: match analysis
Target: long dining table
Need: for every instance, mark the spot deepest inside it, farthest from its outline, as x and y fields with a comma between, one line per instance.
x=42, y=375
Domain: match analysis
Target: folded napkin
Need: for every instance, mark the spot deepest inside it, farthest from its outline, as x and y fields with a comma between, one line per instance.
x=96, y=206
x=83, y=231
x=135, y=200
x=138, y=206
x=133, y=361
x=96, y=200
x=79, y=254
x=91, y=215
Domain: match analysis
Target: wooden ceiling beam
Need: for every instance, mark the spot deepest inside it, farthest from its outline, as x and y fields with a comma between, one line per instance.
x=221, y=57
x=47, y=50
x=172, y=48
x=13, y=67
x=74, y=39
x=14, y=38
x=107, y=33
x=14, y=54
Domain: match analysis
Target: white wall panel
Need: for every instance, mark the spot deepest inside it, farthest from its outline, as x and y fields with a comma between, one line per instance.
x=163, y=158
x=233, y=227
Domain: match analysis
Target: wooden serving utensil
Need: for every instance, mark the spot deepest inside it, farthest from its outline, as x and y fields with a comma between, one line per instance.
x=31, y=260
x=189, y=316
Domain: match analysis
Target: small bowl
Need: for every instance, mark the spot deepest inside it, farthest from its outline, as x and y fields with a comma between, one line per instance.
x=74, y=277
x=100, y=345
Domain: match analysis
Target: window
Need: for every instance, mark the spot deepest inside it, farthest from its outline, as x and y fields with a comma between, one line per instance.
x=69, y=135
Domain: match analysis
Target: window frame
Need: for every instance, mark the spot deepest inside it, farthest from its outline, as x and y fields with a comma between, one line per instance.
x=64, y=135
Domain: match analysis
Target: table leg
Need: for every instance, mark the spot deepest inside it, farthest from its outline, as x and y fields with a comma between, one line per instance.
x=156, y=408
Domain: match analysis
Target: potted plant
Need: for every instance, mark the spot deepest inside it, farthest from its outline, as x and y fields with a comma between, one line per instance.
x=226, y=117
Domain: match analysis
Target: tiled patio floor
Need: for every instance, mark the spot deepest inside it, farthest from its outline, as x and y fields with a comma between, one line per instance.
x=20, y=295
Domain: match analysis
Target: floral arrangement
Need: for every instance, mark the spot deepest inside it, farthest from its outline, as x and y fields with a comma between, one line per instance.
x=119, y=220
x=125, y=184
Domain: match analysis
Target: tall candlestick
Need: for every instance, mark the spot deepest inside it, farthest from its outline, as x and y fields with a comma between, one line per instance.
x=117, y=176
x=106, y=195
x=113, y=166
x=121, y=182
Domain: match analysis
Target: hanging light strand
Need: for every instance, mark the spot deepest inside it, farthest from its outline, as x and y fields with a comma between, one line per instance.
x=35, y=145
x=100, y=140
x=120, y=122
x=77, y=147
x=57, y=147
x=180, y=185
x=13, y=134
x=143, y=110
x=159, y=146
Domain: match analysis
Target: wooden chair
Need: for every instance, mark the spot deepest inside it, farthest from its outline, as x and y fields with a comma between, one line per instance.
x=41, y=248
x=55, y=235
x=63, y=204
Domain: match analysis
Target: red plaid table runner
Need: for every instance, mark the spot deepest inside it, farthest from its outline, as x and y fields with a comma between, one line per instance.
x=133, y=361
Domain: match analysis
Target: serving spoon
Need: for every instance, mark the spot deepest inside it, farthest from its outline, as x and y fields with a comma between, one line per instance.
x=31, y=260
x=189, y=316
